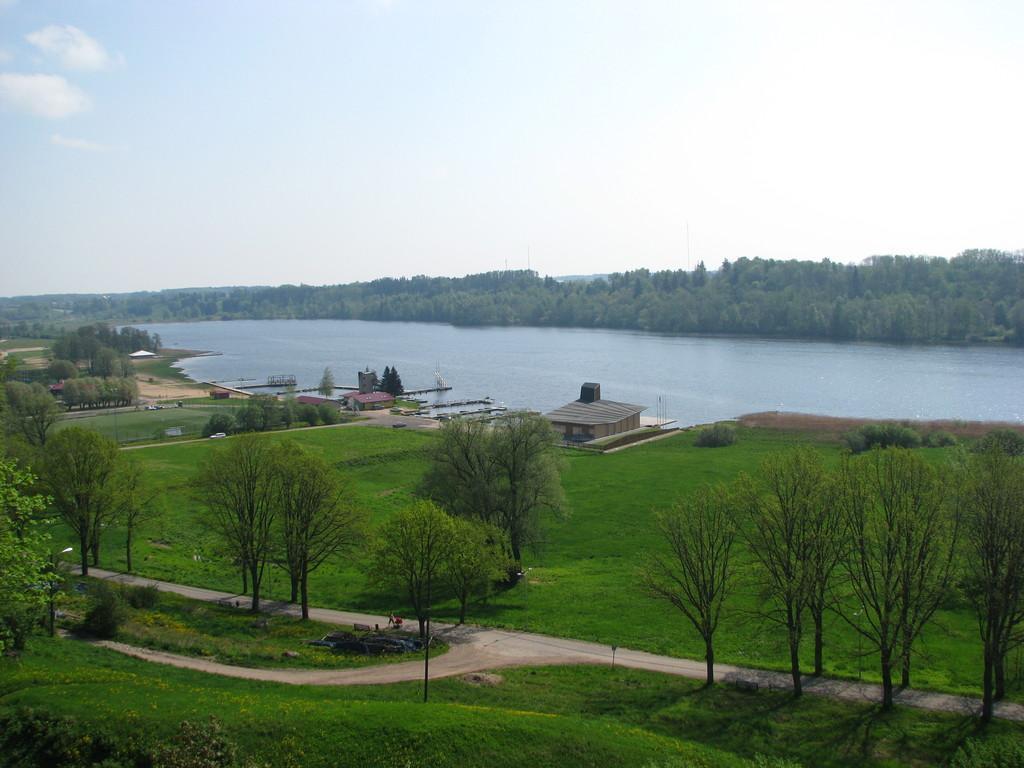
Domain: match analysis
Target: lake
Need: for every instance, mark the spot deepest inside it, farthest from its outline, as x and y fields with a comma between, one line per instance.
x=698, y=379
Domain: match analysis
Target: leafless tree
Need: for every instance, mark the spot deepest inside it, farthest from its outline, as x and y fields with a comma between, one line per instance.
x=134, y=503
x=696, y=575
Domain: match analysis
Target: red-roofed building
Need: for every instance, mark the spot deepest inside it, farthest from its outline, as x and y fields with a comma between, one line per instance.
x=313, y=400
x=368, y=401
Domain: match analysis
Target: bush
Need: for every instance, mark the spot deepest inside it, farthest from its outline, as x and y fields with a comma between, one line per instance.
x=145, y=598
x=29, y=737
x=106, y=614
x=197, y=746
x=881, y=436
x=308, y=413
x=716, y=436
x=994, y=752
x=939, y=439
x=328, y=413
x=1008, y=441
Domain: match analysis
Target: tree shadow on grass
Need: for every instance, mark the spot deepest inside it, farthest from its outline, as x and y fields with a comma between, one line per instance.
x=812, y=730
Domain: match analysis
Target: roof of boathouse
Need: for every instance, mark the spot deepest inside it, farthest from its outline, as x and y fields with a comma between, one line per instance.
x=591, y=409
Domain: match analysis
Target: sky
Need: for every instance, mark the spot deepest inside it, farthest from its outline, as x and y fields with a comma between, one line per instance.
x=148, y=145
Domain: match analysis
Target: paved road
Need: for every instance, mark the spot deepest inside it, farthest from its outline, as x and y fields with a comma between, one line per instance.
x=476, y=649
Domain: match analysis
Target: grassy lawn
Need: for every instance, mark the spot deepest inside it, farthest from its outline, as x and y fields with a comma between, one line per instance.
x=583, y=579
x=22, y=342
x=565, y=716
x=126, y=699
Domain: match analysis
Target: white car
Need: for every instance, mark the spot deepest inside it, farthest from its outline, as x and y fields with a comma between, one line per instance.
x=215, y=435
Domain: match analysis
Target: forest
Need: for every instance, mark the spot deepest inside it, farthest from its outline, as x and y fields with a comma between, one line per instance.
x=977, y=296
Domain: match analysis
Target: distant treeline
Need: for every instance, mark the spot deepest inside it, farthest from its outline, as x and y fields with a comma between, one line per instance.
x=976, y=296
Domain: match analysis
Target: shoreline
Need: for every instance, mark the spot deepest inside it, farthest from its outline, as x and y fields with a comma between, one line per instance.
x=837, y=425
x=963, y=344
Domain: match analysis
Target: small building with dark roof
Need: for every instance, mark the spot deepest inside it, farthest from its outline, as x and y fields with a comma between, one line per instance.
x=590, y=417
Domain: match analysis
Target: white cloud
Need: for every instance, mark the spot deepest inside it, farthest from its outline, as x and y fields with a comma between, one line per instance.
x=72, y=47
x=71, y=143
x=43, y=95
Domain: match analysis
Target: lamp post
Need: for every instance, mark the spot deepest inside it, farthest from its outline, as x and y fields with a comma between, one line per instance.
x=52, y=586
x=860, y=639
x=525, y=576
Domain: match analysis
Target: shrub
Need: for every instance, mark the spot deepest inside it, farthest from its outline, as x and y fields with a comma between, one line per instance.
x=939, y=439
x=219, y=422
x=308, y=413
x=993, y=752
x=716, y=436
x=882, y=436
x=1008, y=441
x=145, y=597
x=29, y=737
x=197, y=746
x=106, y=614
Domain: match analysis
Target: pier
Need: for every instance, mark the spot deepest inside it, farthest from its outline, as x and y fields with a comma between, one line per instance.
x=458, y=403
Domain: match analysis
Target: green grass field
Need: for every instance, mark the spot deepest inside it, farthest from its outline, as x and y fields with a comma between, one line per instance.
x=139, y=425
x=583, y=580
x=564, y=716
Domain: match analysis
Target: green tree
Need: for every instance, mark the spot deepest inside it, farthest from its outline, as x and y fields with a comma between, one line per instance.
x=78, y=467
x=991, y=496
x=317, y=513
x=23, y=564
x=237, y=483
x=410, y=554
x=475, y=562
x=62, y=369
x=31, y=411
x=783, y=505
x=696, y=575
x=326, y=387
x=902, y=534
x=506, y=474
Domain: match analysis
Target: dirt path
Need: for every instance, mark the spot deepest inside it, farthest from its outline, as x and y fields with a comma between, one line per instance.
x=371, y=419
x=475, y=649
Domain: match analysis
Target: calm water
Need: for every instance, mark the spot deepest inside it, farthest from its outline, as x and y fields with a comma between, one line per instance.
x=699, y=379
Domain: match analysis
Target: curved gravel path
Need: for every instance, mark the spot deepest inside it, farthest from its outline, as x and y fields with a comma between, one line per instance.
x=476, y=649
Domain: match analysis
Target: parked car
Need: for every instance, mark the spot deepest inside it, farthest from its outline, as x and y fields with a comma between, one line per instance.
x=217, y=435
